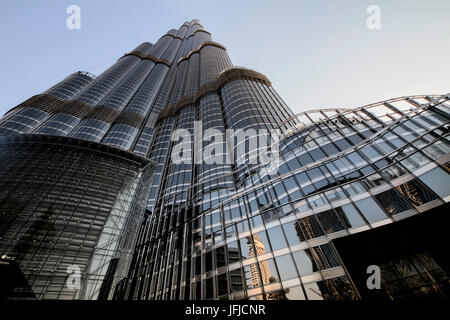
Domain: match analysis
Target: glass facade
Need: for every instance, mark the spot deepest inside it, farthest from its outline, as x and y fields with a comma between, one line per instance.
x=235, y=229
x=68, y=203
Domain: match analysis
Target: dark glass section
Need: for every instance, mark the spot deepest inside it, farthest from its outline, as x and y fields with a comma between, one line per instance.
x=68, y=204
x=412, y=255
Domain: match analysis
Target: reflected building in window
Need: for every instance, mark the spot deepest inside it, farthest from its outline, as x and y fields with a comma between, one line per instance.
x=78, y=159
x=257, y=248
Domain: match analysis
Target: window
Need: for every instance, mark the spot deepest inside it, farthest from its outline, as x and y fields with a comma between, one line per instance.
x=261, y=244
x=313, y=291
x=438, y=180
x=286, y=267
x=350, y=216
x=305, y=262
x=291, y=233
x=330, y=221
x=371, y=210
x=416, y=193
x=392, y=202
x=309, y=228
x=295, y=293
x=276, y=238
x=336, y=289
x=245, y=243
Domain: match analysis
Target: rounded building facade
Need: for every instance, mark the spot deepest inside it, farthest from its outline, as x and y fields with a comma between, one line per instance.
x=273, y=236
x=70, y=211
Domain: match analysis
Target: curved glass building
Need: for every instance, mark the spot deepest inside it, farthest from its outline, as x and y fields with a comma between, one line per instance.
x=68, y=205
x=354, y=189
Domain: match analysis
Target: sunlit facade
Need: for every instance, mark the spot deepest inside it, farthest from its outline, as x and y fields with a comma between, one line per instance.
x=342, y=172
x=233, y=230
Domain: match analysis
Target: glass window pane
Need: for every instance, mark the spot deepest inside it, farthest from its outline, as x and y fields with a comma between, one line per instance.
x=371, y=210
x=416, y=193
x=305, y=262
x=295, y=293
x=438, y=180
x=330, y=221
x=350, y=216
x=261, y=244
x=291, y=233
x=276, y=238
x=252, y=279
x=269, y=272
x=313, y=291
x=392, y=202
x=309, y=228
x=245, y=243
x=286, y=267
x=337, y=289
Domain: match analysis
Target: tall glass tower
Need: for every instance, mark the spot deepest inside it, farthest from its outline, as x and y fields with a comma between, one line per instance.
x=336, y=207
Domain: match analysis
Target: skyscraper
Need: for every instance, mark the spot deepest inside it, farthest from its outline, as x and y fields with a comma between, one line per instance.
x=230, y=229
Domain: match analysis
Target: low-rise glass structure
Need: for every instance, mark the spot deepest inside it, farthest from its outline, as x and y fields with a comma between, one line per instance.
x=270, y=236
x=68, y=205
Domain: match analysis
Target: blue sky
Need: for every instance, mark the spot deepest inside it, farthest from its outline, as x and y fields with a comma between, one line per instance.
x=316, y=53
